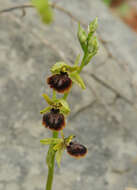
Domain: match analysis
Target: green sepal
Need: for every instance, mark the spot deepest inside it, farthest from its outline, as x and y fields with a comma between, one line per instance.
x=69, y=139
x=44, y=10
x=82, y=36
x=75, y=77
x=93, y=25
x=64, y=107
x=63, y=67
x=60, y=104
x=46, y=110
x=48, y=99
x=59, y=156
x=48, y=141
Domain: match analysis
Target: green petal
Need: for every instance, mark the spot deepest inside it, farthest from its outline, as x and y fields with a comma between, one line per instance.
x=45, y=110
x=69, y=139
x=48, y=99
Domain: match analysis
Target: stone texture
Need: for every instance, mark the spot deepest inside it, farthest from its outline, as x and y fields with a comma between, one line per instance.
x=103, y=117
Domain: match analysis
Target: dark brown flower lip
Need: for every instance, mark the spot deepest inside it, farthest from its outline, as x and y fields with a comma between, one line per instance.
x=60, y=82
x=54, y=120
x=76, y=150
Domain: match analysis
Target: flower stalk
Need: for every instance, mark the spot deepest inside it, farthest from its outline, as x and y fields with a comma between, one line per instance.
x=51, y=167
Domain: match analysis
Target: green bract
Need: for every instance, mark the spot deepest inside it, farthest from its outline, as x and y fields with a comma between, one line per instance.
x=44, y=10
x=50, y=155
x=75, y=77
x=59, y=156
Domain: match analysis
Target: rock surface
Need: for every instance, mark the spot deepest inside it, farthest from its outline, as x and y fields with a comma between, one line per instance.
x=104, y=116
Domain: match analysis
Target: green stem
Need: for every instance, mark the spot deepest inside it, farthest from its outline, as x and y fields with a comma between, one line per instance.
x=55, y=135
x=51, y=167
x=82, y=63
x=65, y=96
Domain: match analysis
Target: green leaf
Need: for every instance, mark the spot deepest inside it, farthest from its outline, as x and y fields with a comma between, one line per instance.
x=46, y=110
x=82, y=36
x=48, y=99
x=75, y=77
x=44, y=10
x=59, y=156
x=48, y=141
x=93, y=25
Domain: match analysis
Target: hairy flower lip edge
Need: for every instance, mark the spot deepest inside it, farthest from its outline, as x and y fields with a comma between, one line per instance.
x=62, y=125
x=80, y=155
x=62, y=91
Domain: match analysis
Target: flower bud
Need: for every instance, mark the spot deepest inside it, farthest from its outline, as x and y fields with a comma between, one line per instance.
x=93, y=25
x=82, y=36
x=54, y=120
x=76, y=150
x=60, y=82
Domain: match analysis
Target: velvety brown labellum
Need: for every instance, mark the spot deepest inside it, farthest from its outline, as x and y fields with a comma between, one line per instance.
x=54, y=120
x=60, y=82
x=76, y=150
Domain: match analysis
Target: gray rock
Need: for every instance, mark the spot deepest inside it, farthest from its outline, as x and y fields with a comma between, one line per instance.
x=103, y=117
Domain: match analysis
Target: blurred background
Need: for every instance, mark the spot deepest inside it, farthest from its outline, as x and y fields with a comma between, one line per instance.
x=126, y=10
x=103, y=117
